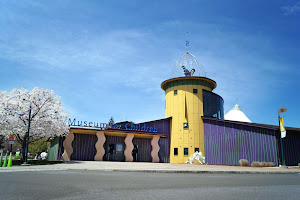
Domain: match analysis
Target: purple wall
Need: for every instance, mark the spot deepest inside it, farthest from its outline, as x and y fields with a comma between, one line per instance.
x=164, y=151
x=291, y=147
x=84, y=144
x=144, y=149
x=227, y=142
x=162, y=126
x=84, y=147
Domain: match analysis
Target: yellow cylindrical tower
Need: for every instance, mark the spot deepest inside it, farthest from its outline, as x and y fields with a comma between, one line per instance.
x=184, y=103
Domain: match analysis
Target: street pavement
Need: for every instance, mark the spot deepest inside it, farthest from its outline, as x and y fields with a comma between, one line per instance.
x=97, y=184
x=153, y=167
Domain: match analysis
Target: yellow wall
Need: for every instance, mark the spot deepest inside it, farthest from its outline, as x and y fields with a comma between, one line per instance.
x=181, y=138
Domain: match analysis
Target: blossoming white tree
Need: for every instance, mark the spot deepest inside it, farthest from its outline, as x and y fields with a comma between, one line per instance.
x=47, y=117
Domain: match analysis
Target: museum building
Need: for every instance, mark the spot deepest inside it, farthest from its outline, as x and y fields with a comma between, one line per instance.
x=194, y=121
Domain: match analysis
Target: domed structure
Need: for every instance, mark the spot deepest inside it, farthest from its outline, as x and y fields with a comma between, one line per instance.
x=236, y=114
x=188, y=65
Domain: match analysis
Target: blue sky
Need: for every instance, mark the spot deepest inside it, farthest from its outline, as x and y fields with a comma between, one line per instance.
x=108, y=58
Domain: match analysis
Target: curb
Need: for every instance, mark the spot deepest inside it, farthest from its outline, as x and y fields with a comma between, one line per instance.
x=150, y=171
x=207, y=172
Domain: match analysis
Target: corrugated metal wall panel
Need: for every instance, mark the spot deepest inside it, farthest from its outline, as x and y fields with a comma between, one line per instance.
x=84, y=147
x=164, y=151
x=226, y=143
x=291, y=147
x=144, y=149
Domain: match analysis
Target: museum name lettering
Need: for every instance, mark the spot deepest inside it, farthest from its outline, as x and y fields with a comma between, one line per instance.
x=87, y=124
x=126, y=126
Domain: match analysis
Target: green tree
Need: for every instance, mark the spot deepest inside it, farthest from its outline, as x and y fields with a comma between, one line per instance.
x=111, y=122
x=38, y=146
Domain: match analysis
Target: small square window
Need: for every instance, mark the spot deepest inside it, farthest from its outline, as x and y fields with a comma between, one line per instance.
x=195, y=91
x=196, y=149
x=175, y=92
x=186, y=151
x=175, y=151
x=185, y=125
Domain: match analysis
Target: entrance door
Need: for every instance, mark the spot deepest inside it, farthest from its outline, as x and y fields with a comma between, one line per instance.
x=135, y=152
x=116, y=152
x=120, y=152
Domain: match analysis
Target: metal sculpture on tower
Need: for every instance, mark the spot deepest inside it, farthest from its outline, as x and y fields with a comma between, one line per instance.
x=187, y=72
x=189, y=64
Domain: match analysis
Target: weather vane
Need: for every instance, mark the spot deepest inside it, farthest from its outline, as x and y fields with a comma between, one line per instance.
x=187, y=43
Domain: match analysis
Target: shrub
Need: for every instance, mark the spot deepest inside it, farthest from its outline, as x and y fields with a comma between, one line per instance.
x=262, y=164
x=243, y=162
x=269, y=164
x=256, y=164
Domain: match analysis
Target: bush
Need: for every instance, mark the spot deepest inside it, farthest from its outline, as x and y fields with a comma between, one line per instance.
x=256, y=164
x=262, y=164
x=243, y=162
x=268, y=164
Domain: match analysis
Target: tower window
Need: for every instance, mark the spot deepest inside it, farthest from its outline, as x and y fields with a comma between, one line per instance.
x=196, y=149
x=175, y=151
x=195, y=91
x=186, y=151
x=185, y=125
x=175, y=92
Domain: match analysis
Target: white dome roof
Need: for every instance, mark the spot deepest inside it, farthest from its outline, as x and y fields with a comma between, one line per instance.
x=236, y=114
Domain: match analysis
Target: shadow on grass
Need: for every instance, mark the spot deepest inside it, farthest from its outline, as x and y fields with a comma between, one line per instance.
x=36, y=162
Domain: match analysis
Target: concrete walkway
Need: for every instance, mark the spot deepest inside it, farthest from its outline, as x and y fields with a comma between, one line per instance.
x=153, y=167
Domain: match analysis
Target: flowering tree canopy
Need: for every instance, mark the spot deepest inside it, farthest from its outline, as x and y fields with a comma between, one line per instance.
x=47, y=117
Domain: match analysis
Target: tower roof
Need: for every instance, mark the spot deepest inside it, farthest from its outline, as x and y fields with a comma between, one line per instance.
x=192, y=80
x=236, y=114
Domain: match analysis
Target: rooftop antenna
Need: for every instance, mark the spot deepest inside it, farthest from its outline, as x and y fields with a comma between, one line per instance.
x=187, y=43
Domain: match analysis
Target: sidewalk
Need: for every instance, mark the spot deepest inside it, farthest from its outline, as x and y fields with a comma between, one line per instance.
x=153, y=167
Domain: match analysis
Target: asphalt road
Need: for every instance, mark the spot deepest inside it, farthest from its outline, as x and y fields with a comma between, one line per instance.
x=83, y=184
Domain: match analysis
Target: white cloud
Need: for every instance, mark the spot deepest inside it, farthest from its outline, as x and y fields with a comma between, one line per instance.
x=291, y=10
x=64, y=50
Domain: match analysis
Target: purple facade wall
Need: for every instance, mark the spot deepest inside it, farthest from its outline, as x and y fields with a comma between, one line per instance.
x=228, y=142
x=84, y=147
x=84, y=144
x=164, y=151
x=162, y=126
x=291, y=147
x=144, y=149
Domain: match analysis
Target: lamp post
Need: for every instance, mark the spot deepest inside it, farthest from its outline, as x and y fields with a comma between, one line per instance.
x=27, y=140
x=281, y=110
